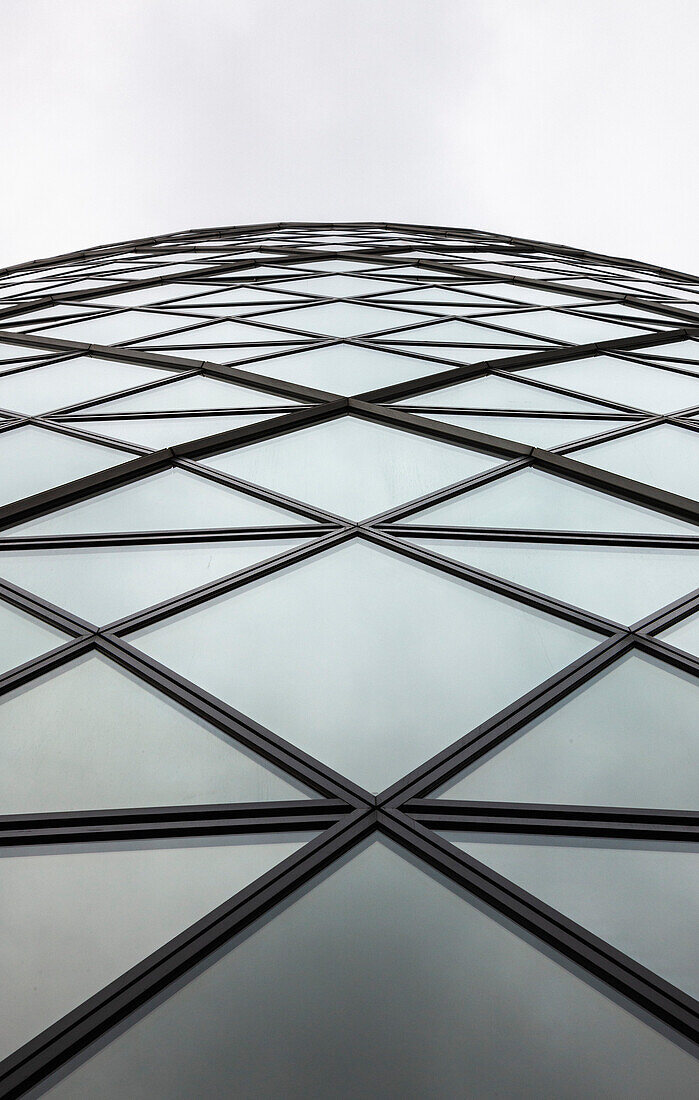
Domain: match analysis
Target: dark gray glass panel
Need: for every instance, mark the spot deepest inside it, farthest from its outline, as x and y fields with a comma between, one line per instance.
x=641, y=897
x=622, y=583
x=91, y=735
x=486, y=1013
x=627, y=738
x=75, y=917
x=352, y=467
x=367, y=658
x=173, y=501
x=194, y=393
x=535, y=431
x=530, y=499
x=159, y=432
x=685, y=635
x=102, y=584
x=23, y=637
x=32, y=460
x=62, y=384
x=634, y=384
x=500, y=393
x=666, y=457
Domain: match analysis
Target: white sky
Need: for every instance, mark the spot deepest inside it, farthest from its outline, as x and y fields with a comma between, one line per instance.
x=573, y=121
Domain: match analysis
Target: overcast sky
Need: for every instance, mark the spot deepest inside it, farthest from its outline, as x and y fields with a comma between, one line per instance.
x=573, y=121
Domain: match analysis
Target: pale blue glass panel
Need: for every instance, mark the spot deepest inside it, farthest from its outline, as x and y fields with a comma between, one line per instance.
x=161, y=432
x=231, y=354
x=341, y=266
x=533, y=500
x=352, y=467
x=172, y=500
x=19, y=351
x=641, y=897
x=462, y=332
x=367, y=659
x=115, y=327
x=102, y=584
x=341, y=319
x=149, y=295
x=439, y=995
x=90, y=735
x=623, y=583
x=627, y=383
x=665, y=456
x=23, y=637
x=685, y=635
x=236, y=295
x=338, y=286
x=628, y=737
x=573, y=328
x=680, y=349
x=221, y=332
x=197, y=392
x=534, y=431
x=346, y=368
x=453, y=353
x=59, y=385
x=500, y=393
x=530, y=294
x=33, y=459
x=75, y=917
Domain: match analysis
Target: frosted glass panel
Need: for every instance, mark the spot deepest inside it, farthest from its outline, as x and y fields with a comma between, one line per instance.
x=491, y=1015
x=499, y=393
x=23, y=637
x=162, y=432
x=33, y=460
x=341, y=319
x=622, y=583
x=685, y=635
x=641, y=897
x=113, y=328
x=92, y=735
x=172, y=501
x=572, y=328
x=530, y=499
x=666, y=457
x=626, y=738
x=62, y=384
x=194, y=393
x=352, y=467
x=635, y=384
x=76, y=917
x=534, y=431
x=346, y=369
x=102, y=584
x=368, y=659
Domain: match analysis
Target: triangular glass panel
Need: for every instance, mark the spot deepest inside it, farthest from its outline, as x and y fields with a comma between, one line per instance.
x=352, y=467
x=34, y=459
x=221, y=332
x=170, y=501
x=463, y=332
x=625, y=738
x=378, y=643
x=612, y=379
x=534, y=500
x=622, y=583
x=346, y=369
x=22, y=637
x=639, y=896
x=666, y=457
x=338, y=286
x=168, y=431
x=113, y=328
x=75, y=917
x=200, y=393
x=684, y=635
x=493, y=392
x=58, y=385
x=341, y=319
x=573, y=328
x=494, y=1014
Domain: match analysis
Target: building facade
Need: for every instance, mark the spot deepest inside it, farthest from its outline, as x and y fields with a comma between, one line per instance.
x=350, y=643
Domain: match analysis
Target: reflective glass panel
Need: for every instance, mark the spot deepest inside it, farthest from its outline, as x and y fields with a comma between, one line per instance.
x=499, y=393
x=623, y=583
x=367, y=659
x=32, y=460
x=352, y=467
x=341, y=319
x=641, y=897
x=531, y=499
x=172, y=501
x=492, y=1014
x=22, y=637
x=634, y=384
x=75, y=917
x=91, y=735
x=62, y=384
x=665, y=456
x=626, y=738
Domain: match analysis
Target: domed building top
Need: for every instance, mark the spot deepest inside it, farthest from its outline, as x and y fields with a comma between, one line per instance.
x=348, y=668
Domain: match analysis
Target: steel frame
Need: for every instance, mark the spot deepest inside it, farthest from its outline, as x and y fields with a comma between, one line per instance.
x=344, y=812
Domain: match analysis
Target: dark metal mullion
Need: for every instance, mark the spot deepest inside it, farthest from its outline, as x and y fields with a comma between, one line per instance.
x=535, y=535
x=663, y=1000
x=528, y=414
x=667, y=616
x=54, y=1046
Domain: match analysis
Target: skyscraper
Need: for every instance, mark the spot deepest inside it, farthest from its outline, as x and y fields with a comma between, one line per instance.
x=350, y=644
